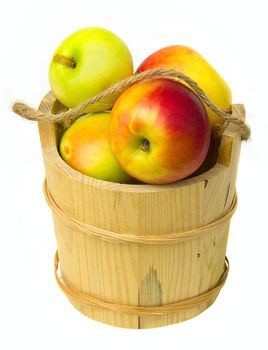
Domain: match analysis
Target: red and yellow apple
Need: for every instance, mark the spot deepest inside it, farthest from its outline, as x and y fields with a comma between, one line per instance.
x=159, y=131
x=85, y=147
x=87, y=62
x=188, y=61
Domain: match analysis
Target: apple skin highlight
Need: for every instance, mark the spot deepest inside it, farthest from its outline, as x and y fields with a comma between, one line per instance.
x=172, y=123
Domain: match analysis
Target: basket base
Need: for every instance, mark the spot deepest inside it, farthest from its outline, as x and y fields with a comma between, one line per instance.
x=140, y=322
x=140, y=317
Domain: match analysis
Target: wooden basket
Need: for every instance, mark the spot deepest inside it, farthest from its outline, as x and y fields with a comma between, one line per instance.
x=141, y=256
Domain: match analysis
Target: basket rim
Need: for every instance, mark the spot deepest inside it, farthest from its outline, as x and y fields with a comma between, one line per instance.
x=50, y=151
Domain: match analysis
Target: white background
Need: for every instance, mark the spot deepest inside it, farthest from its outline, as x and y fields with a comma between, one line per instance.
x=34, y=314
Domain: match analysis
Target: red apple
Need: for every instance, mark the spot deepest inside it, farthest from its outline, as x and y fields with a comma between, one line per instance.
x=159, y=131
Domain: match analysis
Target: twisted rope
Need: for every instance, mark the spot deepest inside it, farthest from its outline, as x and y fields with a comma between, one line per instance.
x=69, y=116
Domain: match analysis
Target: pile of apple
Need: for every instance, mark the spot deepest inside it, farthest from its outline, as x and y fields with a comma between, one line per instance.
x=158, y=131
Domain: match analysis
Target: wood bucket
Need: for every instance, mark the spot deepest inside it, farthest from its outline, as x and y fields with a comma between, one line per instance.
x=141, y=256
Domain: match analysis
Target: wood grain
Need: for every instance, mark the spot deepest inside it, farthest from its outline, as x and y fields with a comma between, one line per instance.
x=141, y=274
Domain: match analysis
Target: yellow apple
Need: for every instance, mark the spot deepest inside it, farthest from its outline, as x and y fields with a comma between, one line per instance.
x=86, y=63
x=85, y=147
x=188, y=61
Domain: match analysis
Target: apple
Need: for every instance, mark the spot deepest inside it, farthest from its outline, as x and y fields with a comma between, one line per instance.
x=86, y=63
x=188, y=61
x=159, y=131
x=85, y=147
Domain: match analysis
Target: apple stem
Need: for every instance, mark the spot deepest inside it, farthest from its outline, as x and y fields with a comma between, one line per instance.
x=145, y=145
x=66, y=61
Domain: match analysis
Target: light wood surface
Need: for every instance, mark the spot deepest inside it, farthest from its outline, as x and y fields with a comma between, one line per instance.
x=132, y=273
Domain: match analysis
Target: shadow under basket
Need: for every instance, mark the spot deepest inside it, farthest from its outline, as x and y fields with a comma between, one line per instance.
x=141, y=256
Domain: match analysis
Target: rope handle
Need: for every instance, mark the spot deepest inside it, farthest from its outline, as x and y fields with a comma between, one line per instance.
x=86, y=299
x=69, y=116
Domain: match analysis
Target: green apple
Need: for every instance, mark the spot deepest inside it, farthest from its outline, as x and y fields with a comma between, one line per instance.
x=85, y=147
x=86, y=63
